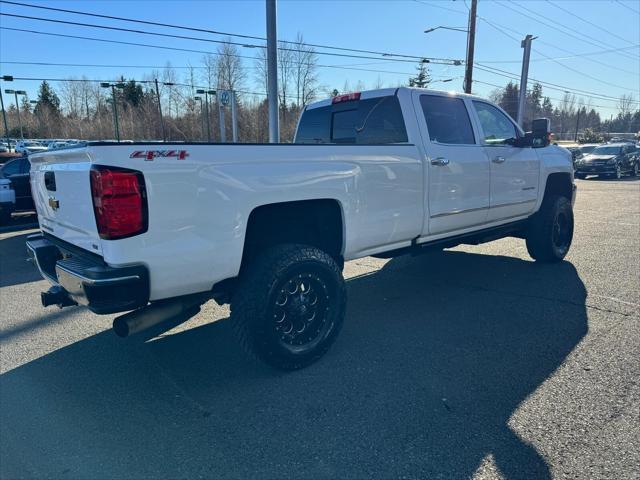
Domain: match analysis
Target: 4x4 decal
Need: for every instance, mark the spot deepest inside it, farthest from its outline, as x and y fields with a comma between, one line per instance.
x=149, y=155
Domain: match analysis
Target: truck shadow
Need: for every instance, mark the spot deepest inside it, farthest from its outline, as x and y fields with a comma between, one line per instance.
x=437, y=354
x=12, y=270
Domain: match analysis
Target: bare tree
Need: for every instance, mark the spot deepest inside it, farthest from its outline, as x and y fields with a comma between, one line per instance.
x=625, y=105
x=230, y=72
x=305, y=71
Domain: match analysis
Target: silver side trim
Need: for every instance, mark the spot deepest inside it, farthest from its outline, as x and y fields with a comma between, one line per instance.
x=468, y=210
x=514, y=203
x=456, y=212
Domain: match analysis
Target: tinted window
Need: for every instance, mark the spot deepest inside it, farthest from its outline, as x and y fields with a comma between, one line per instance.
x=447, y=120
x=496, y=126
x=314, y=126
x=25, y=165
x=11, y=168
x=363, y=122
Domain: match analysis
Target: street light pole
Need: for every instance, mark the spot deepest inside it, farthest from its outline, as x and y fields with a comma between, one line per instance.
x=164, y=134
x=272, y=72
x=115, y=112
x=206, y=107
x=114, y=104
x=6, y=78
x=201, y=115
x=4, y=119
x=526, y=44
x=16, y=93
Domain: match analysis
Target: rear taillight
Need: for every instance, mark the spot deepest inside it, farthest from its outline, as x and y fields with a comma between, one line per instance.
x=119, y=202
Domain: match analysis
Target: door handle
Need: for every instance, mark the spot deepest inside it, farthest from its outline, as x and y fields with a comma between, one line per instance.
x=499, y=160
x=440, y=161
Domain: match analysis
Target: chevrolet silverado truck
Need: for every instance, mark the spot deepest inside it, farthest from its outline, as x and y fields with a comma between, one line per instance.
x=156, y=230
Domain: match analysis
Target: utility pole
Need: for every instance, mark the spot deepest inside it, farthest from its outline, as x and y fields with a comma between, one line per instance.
x=471, y=40
x=272, y=72
x=164, y=134
x=577, y=125
x=526, y=44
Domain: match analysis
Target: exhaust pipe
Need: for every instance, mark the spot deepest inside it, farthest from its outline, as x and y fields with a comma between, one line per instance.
x=178, y=309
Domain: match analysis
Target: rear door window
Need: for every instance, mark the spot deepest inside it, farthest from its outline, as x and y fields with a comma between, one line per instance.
x=447, y=120
x=363, y=122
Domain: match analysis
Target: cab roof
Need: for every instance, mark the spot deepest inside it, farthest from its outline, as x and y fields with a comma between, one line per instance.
x=385, y=92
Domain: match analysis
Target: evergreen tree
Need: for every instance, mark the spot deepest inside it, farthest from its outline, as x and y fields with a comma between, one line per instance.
x=509, y=100
x=422, y=78
x=48, y=101
x=133, y=93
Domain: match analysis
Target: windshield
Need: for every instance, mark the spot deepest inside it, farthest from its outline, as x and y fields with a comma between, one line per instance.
x=32, y=144
x=606, y=151
x=588, y=149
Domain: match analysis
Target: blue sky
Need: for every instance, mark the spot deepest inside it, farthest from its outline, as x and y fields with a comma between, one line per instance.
x=394, y=26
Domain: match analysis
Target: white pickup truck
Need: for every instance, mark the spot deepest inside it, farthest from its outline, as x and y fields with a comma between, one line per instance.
x=156, y=230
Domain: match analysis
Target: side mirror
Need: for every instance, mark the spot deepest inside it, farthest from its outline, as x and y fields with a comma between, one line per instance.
x=541, y=132
x=541, y=127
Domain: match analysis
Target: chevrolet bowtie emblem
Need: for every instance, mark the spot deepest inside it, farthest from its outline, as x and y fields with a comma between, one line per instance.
x=53, y=203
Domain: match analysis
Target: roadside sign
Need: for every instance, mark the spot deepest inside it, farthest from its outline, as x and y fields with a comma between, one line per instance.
x=224, y=97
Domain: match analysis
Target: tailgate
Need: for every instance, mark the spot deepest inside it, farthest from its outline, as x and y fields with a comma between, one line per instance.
x=61, y=187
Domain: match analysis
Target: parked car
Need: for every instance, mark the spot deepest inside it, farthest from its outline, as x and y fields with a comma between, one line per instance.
x=7, y=200
x=157, y=230
x=28, y=147
x=611, y=160
x=4, y=147
x=57, y=145
x=17, y=172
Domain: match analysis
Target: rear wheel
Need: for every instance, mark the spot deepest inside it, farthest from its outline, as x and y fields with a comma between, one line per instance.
x=289, y=305
x=551, y=230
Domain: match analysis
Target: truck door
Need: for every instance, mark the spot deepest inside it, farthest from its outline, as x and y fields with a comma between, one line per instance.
x=457, y=167
x=514, y=170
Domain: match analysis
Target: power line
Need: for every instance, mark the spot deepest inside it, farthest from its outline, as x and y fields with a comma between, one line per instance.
x=222, y=42
x=215, y=32
x=627, y=6
x=98, y=65
x=137, y=44
x=608, y=107
x=552, y=86
x=559, y=28
x=501, y=29
x=588, y=22
x=87, y=80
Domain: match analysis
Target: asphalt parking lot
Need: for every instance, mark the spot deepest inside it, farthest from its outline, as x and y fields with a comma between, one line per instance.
x=473, y=362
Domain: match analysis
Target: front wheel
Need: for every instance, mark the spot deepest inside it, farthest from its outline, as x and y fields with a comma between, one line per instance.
x=289, y=306
x=636, y=169
x=551, y=230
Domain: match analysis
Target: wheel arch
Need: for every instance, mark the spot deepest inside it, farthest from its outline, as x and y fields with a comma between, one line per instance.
x=559, y=183
x=317, y=222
